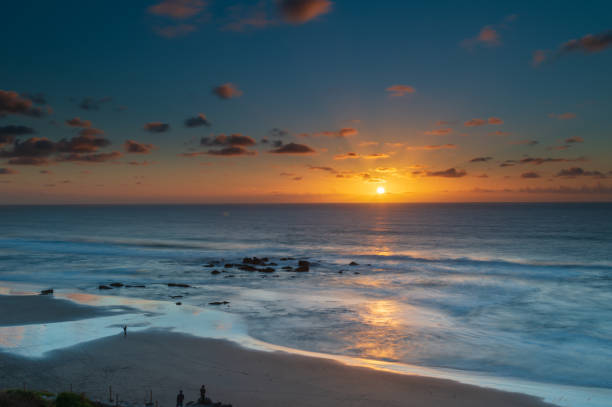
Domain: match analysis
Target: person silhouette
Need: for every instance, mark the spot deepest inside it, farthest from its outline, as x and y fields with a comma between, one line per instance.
x=179, y=399
x=202, y=395
x=124, y=330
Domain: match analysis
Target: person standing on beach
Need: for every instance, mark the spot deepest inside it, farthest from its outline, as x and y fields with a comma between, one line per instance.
x=124, y=330
x=202, y=395
x=179, y=399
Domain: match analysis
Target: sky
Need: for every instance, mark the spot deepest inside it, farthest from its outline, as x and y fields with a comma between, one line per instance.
x=210, y=101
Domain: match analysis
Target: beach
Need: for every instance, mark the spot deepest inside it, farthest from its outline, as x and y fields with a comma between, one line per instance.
x=166, y=362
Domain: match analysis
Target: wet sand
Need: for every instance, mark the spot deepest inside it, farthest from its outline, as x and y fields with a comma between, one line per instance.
x=166, y=362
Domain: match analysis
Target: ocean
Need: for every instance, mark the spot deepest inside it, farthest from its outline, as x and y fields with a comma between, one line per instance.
x=511, y=290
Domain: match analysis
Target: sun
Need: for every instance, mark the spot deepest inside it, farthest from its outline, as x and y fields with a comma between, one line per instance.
x=380, y=190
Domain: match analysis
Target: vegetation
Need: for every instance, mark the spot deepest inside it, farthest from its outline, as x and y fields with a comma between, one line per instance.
x=31, y=398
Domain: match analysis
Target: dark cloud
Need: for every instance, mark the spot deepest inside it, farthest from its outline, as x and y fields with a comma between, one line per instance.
x=481, y=159
x=342, y=133
x=38, y=161
x=278, y=133
x=449, y=173
x=227, y=91
x=319, y=168
x=37, y=98
x=78, y=122
x=12, y=103
x=540, y=160
x=301, y=11
x=574, y=172
x=82, y=144
x=530, y=174
x=231, y=151
x=197, y=121
x=134, y=147
x=93, y=104
x=90, y=158
x=293, y=148
x=32, y=147
x=8, y=133
x=230, y=141
x=7, y=171
x=589, y=43
x=156, y=127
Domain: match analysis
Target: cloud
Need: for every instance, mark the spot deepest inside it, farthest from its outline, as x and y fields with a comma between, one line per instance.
x=481, y=159
x=302, y=11
x=82, y=144
x=530, y=175
x=223, y=140
x=482, y=122
x=243, y=16
x=293, y=148
x=90, y=131
x=231, y=151
x=563, y=116
x=346, y=156
x=8, y=171
x=177, y=9
x=538, y=57
x=475, y=122
x=89, y=103
x=37, y=98
x=276, y=132
x=227, y=91
x=540, y=160
x=530, y=143
x=438, y=132
x=12, y=103
x=488, y=36
x=78, y=122
x=8, y=133
x=574, y=139
x=589, y=43
x=574, y=172
x=431, y=147
x=175, y=31
x=296, y=178
x=368, y=143
x=32, y=147
x=386, y=170
x=156, y=127
x=197, y=121
x=319, y=168
x=38, y=161
x=449, y=173
x=499, y=133
x=134, y=147
x=90, y=158
x=375, y=156
x=400, y=90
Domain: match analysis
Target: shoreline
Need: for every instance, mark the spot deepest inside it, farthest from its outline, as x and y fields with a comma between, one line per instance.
x=478, y=390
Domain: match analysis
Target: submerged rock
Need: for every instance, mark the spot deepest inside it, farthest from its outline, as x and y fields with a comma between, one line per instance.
x=303, y=266
x=135, y=286
x=117, y=285
x=47, y=292
x=218, y=303
x=179, y=303
x=215, y=272
x=247, y=268
x=267, y=270
x=353, y=263
x=104, y=287
x=178, y=285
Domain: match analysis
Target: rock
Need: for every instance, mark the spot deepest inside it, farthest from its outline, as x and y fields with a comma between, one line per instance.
x=254, y=260
x=229, y=265
x=178, y=285
x=47, y=292
x=304, y=263
x=287, y=268
x=218, y=303
x=341, y=271
x=267, y=270
x=214, y=272
x=117, y=285
x=353, y=264
x=104, y=287
x=229, y=276
x=176, y=296
x=179, y=303
x=303, y=266
x=272, y=264
x=247, y=268
x=356, y=272
x=287, y=258
x=135, y=286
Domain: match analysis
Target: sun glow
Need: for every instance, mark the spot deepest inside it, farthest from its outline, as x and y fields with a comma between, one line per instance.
x=380, y=190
